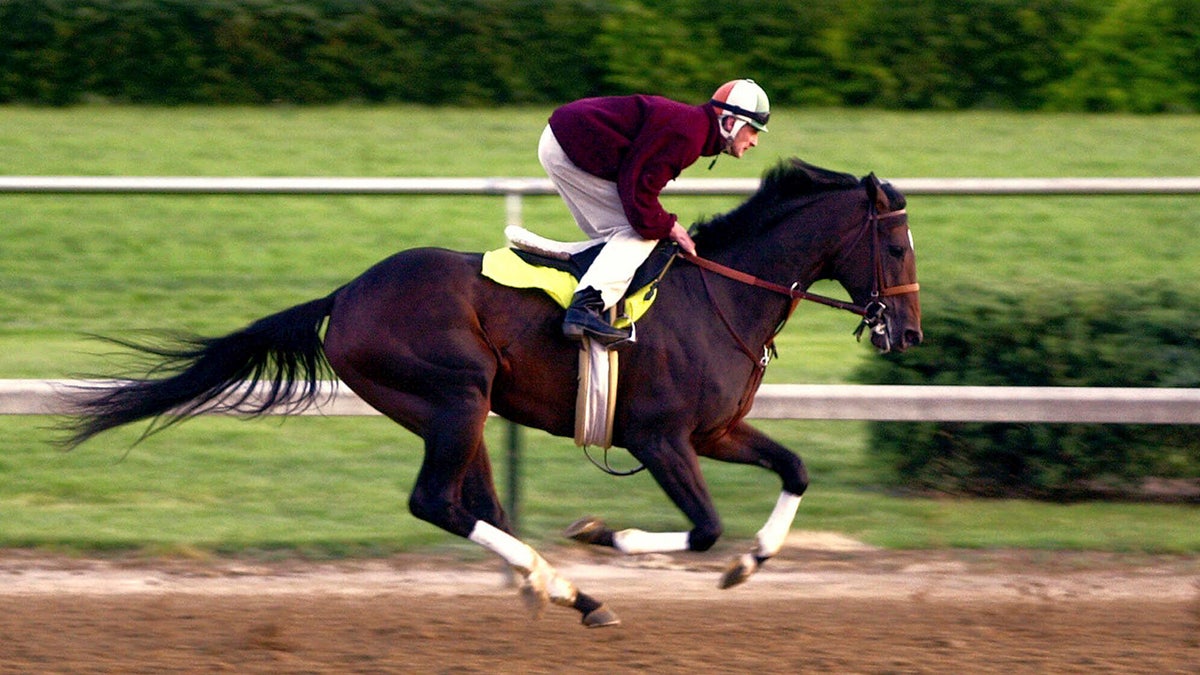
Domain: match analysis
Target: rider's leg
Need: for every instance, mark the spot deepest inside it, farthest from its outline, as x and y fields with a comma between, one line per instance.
x=593, y=202
x=603, y=285
x=596, y=207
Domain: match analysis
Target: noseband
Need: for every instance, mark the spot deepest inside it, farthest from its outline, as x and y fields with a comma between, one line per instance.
x=873, y=313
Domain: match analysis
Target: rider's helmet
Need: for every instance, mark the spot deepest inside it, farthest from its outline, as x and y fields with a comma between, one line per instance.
x=740, y=102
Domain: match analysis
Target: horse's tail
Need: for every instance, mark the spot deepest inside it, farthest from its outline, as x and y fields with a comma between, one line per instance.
x=283, y=353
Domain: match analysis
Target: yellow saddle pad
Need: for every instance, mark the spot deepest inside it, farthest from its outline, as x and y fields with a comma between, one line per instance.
x=505, y=267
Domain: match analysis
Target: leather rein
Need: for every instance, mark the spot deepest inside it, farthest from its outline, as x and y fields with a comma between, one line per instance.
x=872, y=312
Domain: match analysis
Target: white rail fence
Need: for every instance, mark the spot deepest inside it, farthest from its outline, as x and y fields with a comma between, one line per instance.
x=542, y=186
x=513, y=189
x=813, y=402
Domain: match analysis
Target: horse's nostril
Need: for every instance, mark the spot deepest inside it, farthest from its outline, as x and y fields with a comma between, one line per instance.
x=913, y=337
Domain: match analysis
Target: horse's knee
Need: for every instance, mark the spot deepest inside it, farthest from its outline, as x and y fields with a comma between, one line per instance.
x=703, y=538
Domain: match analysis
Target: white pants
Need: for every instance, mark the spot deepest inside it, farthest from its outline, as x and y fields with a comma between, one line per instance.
x=597, y=209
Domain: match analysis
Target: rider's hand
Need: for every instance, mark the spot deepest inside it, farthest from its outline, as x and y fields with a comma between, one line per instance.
x=680, y=236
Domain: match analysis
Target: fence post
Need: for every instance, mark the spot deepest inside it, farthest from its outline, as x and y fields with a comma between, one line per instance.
x=514, y=475
x=512, y=216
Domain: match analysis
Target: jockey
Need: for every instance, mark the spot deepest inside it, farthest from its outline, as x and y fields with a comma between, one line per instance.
x=610, y=157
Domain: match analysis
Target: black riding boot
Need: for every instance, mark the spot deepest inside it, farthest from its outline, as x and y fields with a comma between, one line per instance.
x=584, y=318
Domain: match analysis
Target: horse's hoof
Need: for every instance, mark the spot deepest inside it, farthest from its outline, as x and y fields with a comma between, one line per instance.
x=738, y=571
x=601, y=617
x=587, y=530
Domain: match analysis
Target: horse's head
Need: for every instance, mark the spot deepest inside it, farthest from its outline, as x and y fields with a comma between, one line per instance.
x=807, y=223
x=878, y=267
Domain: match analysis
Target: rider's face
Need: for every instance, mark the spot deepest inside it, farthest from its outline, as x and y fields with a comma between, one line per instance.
x=746, y=138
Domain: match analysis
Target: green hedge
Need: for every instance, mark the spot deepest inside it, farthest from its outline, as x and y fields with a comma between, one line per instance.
x=1120, y=336
x=1136, y=55
x=322, y=51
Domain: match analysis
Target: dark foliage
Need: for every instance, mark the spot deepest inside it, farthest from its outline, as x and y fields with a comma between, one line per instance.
x=1127, y=336
x=1135, y=55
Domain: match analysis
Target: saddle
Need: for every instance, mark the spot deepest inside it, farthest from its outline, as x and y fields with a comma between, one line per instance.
x=555, y=267
x=533, y=261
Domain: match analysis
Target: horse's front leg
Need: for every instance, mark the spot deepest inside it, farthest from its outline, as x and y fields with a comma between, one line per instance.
x=677, y=471
x=768, y=541
x=746, y=445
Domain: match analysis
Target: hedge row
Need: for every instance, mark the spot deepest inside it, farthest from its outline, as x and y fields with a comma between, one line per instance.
x=1120, y=336
x=1137, y=55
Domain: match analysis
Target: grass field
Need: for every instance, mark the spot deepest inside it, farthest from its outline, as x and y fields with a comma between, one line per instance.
x=109, y=264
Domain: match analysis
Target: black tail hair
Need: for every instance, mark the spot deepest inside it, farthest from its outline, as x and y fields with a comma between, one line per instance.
x=283, y=352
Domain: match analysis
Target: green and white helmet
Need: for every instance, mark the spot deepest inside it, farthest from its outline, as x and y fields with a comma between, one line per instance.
x=742, y=102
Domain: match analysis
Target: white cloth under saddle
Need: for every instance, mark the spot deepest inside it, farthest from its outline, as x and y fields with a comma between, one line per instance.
x=519, y=237
x=597, y=397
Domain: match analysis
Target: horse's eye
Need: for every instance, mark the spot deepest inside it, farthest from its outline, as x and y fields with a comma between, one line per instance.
x=896, y=251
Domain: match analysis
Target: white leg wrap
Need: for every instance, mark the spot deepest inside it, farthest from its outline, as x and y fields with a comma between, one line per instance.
x=540, y=576
x=636, y=541
x=770, y=537
x=516, y=552
x=545, y=579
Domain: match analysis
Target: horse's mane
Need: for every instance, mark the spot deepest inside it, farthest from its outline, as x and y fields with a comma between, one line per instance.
x=789, y=180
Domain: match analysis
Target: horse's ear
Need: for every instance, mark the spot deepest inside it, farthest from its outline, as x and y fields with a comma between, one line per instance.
x=876, y=193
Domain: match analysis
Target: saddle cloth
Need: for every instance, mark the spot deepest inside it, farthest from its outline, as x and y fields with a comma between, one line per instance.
x=533, y=261
x=554, y=267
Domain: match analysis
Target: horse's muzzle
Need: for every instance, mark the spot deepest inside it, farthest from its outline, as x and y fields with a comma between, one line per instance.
x=885, y=340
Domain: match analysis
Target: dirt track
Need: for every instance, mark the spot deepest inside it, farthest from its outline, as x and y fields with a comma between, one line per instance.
x=830, y=609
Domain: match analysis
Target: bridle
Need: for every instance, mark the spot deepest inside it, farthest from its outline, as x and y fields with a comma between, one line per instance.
x=874, y=317
x=873, y=313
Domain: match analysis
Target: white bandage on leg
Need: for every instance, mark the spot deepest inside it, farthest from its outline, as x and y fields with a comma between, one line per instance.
x=542, y=580
x=770, y=537
x=514, y=551
x=636, y=541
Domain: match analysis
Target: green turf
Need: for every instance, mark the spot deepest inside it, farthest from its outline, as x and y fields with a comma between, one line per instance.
x=112, y=264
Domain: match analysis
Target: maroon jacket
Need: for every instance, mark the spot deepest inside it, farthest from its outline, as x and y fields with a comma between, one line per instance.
x=640, y=143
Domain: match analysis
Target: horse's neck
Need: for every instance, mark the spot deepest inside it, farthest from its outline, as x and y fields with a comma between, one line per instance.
x=754, y=311
x=794, y=253
x=799, y=260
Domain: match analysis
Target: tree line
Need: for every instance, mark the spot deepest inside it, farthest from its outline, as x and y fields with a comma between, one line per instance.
x=1079, y=55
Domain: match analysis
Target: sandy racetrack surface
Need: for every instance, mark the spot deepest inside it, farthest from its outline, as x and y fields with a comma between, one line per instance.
x=823, y=609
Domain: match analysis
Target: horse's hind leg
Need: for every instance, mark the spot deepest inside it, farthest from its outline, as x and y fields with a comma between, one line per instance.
x=479, y=492
x=455, y=491
x=451, y=495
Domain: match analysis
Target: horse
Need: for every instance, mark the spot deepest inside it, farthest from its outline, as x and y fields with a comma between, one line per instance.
x=429, y=342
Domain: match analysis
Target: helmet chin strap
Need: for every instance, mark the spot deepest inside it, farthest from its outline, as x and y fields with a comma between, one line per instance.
x=727, y=135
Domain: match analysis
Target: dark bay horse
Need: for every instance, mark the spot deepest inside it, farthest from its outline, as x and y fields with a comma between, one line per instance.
x=435, y=346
